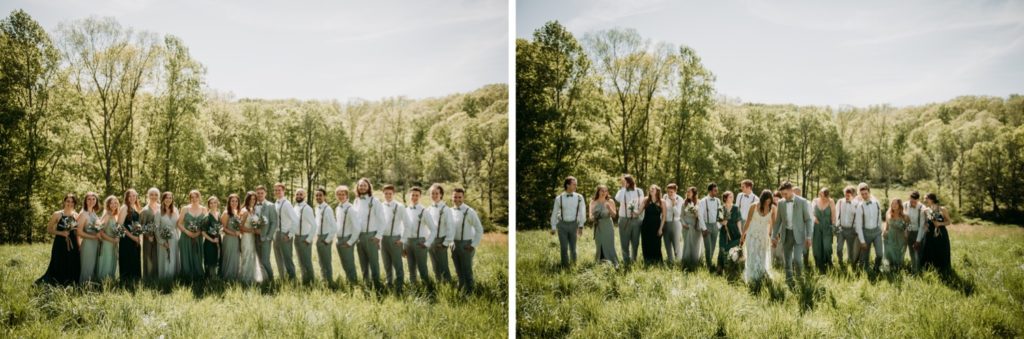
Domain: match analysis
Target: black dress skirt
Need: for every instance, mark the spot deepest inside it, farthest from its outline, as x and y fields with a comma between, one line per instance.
x=65, y=265
x=129, y=253
x=935, y=247
x=650, y=241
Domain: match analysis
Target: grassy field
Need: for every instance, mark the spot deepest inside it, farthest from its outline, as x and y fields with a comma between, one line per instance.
x=984, y=299
x=220, y=309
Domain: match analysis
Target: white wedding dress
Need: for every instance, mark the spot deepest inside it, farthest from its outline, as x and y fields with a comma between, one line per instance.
x=250, y=268
x=757, y=248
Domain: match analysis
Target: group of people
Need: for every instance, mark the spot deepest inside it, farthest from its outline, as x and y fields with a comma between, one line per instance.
x=196, y=241
x=753, y=229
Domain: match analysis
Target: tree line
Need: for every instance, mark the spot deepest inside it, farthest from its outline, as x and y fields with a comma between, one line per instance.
x=614, y=102
x=102, y=107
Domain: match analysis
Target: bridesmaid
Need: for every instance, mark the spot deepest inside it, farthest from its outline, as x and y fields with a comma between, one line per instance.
x=229, y=249
x=106, y=266
x=693, y=240
x=730, y=234
x=211, y=233
x=602, y=210
x=824, y=210
x=895, y=234
x=653, y=225
x=65, y=265
x=149, y=219
x=166, y=236
x=90, y=238
x=130, y=246
x=190, y=224
x=935, y=242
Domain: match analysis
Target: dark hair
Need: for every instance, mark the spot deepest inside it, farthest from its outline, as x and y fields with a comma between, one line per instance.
x=74, y=200
x=129, y=192
x=166, y=209
x=726, y=196
x=597, y=192
x=712, y=186
x=568, y=180
x=786, y=185
x=369, y=186
x=630, y=182
x=388, y=187
x=692, y=191
x=250, y=195
x=672, y=186
x=656, y=197
x=261, y=188
x=934, y=198
x=416, y=189
x=85, y=202
x=766, y=198
x=849, y=189
x=747, y=182
x=232, y=213
x=322, y=190
x=824, y=191
x=459, y=190
x=914, y=195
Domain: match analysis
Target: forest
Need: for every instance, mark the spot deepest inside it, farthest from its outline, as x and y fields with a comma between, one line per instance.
x=97, y=106
x=614, y=102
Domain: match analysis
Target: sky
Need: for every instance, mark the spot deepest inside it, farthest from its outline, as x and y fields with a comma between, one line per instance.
x=318, y=49
x=831, y=53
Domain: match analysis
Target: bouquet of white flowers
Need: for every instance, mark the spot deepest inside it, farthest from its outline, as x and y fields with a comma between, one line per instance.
x=93, y=228
x=691, y=209
x=192, y=226
x=213, y=229
x=234, y=224
x=136, y=229
x=70, y=224
x=257, y=221
x=149, y=228
x=721, y=213
x=736, y=254
x=118, y=230
x=632, y=207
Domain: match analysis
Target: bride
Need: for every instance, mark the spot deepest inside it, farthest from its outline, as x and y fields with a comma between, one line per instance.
x=756, y=238
x=250, y=268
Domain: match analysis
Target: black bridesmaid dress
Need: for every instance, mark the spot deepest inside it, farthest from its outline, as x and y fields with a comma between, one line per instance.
x=650, y=241
x=129, y=252
x=65, y=265
x=935, y=247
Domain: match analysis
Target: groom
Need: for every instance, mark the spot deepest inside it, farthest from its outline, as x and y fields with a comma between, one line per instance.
x=267, y=232
x=793, y=229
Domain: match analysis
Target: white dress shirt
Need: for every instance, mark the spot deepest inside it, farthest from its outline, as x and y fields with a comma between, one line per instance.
x=395, y=219
x=847, y=211
x=346, y=221
x=420, y=223
x=625, y=197
x=444, y=225
x=467, y=225
x=744, y=201
x=569, y=207
x=286, y=214
x=869, y=216
x=916, y=215
x=370, y=215
x=675, y=210
x=327, y=228
x=306, y=225
x=705, y=206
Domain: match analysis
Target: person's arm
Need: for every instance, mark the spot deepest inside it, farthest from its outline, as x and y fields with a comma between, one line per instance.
x=450, y=219
x=858, y=223
x=379, y=214
x=83, y=220
x=835, y=216
x=581, y=217
x=331, y=224
x=664, y=212
x=808, y=219
x=746, y=223
x=556, y=210
x=702, y=214
x=776, y=221
x=51, y=227
x=273, y=225
x=945, y=217
x=479, y=227
x=181, y=224
x=311, y=217
x=428, y=219
x=403, y=217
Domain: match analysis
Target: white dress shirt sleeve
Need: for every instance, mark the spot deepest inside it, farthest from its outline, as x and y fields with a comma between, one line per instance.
x=310, y=217
x=330, y=231
x=581, y=214
x=858, y=223
x=556, y=210
x=428, y=220
x=702, y=214
x=474, y=221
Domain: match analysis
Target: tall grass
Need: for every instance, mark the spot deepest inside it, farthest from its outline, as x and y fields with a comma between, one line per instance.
x=984, y=299
x=226, y=309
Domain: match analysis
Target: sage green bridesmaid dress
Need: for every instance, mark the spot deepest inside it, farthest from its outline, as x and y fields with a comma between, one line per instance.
x=90, y=250
x=604, y=235
x=191, y=249
x=106, y=266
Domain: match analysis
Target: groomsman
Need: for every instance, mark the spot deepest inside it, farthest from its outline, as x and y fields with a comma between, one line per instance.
x=792, y=229
x=348, y=233
x=847, y=234
x=419, y=236
x=372, y=218
x=268, y=232
x=442, y=234
x=673, y=234
x=914, y=209
x=629, y=199
x=869, y=226
x=286, y=218
x=326, y=230
x=707, y=218
x=746, y=198
x=468, y=233
x=305, y=234
x=567, y=218
x=395, y=220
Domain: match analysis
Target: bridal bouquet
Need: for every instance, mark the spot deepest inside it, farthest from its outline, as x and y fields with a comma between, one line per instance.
x=70, y=224
x=736, y=254
x=165, y=233
x=257, y=221
x=691, y=209
x=721, y=213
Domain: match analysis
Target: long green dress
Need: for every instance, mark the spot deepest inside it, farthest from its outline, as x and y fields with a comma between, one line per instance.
x=896, y=243
x=191, y=249
x=230, y=252
x=106, y=266
x=90, y=250
x=729, y=236
x=211, y=250
x=604, y=235
x=821, y=245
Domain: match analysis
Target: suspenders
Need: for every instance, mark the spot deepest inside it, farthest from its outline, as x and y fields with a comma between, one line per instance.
x=419, y=222
x=368, y=211
x=322, y=220
x=440, y=217
x=579, y=201
x=462, y=236
x=394, y=213
x=344, y=220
